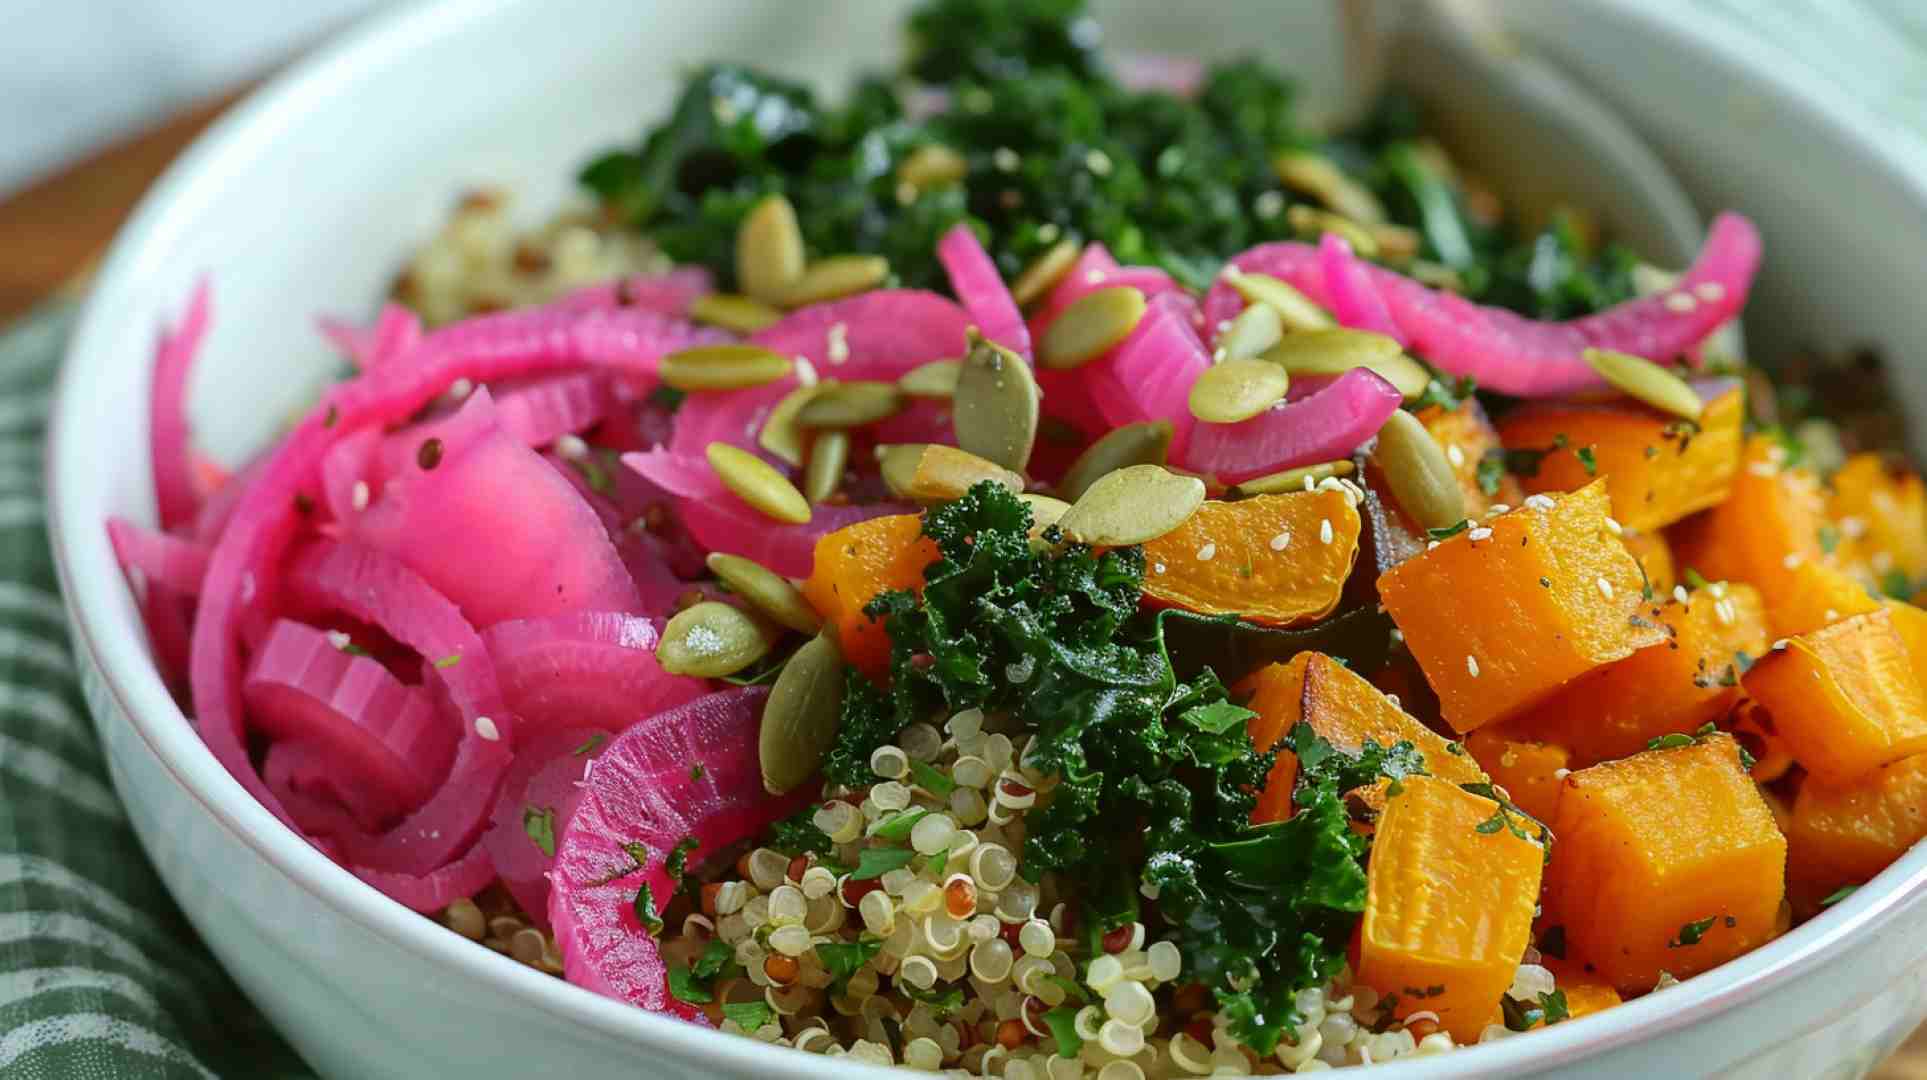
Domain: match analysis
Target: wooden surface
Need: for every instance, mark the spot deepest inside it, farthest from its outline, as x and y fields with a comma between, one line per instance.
x=53, y=231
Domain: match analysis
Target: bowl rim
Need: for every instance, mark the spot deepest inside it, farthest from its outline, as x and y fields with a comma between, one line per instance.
x=94, y=595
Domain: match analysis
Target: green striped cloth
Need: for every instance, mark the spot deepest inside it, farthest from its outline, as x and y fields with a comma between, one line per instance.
x=100, y=976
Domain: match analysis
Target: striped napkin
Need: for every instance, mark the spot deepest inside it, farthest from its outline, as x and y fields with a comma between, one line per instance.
x=100, y=976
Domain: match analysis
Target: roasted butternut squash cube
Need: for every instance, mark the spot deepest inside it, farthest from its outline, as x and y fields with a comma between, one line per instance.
x=853, y=565
x=1467, y=437
x=1844, y=698
x=1812, y=595
x=1766, y=528
x=1276, y=559
x=1910, y=623
x=1586, y=993
x=1449, y=899
x=1530, y=771
x=1654, y=555
x=1880, y=512
x=1344, y=708
x=1503, y=614
x=1659, y=468
x=1689, y=679
x=1668, y=860
x=1843, y=835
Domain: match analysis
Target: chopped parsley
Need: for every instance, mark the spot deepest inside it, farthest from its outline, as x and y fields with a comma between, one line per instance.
x=692, y=984
x=677, y=864
x=749, y=1015
x=931, y=780
x=1449, y=531
x=1062, y=1022
x=1839, y=894
x=590, y=746
x=539, y=823
x=646, y=913
x=844, y=959
x=874, y=862
x=1587, y=460
x=1525, y=1015
x=798, y=835
x=1692, y=933
x=448, y=661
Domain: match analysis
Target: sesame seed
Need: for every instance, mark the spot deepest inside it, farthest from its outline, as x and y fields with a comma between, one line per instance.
x=1157, y=568
x=1539, y=502
x=1430, y=544
x=1454, y=455
x=1478, y=534
x=806, y=372
x=1496, y=509
x=1710, y=291
x=1561, y=774
x=486, y=729
x=1472, y=665
x=1325, y=530
x=1680, y=303
x=1613, y=526
x=1791, y=561
x=1281, y=541
x=1098, y=162
x=1605, y=587
x=1217, y=356
x=1679, y=593
x=1780, y=644
x=1724, y=609
x=359, y=496
x=838, y=342
x=1094, y=277
x=460, y=389
x=339, y=640
x=1761, y=468
x=1224, y=326
x=1310, y=484
x=1269, y=204
x=1832, y=616
x=572, y=447
x=1853, y=528
x=1206, y=552
x=1005, y=159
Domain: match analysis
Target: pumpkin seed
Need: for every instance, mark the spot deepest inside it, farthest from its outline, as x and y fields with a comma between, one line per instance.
x=723, y=367
x=1336, y=351
x=1045, y=272
x=766, y=591
x=1279, y=483
x=936, y=473
x=1316, y=175
x=781, y=434
x=769, y=250
x=712, y=639
x=1045, y=511
x=932, y=166
x=1237, y=390
x=936, y=379
x=1132, y=444
x=732, y=312
x=1255, y=329
x=1396, y=243
x=829, y=456
x=851, y=404
x=1091, y=326
x=1421, y=479
x=800, y=718
x=996, y=404
x=1312, y=223
x=1645, y=381
x=1297, y=310
x=836, y=277
x=758, y=483
x=1133, y=505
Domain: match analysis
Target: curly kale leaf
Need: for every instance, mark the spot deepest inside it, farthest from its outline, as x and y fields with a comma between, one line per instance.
x=867, y=722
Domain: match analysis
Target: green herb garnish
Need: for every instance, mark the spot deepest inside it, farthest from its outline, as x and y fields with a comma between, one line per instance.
x=539, y=824
x=1692, y=933
x=749, y=1015
x=646, y=911
x=875, y=862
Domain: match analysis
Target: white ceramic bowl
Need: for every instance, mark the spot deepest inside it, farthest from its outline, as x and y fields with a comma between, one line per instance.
x=306, y=198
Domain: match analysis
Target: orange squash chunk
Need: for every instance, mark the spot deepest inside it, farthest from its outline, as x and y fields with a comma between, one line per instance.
x=1844, y=835
x=1658, y=467
x=1765, y=529
x=1466, y=436
x=1910, y=622
x=1275, y=559
x=1529, y=771
x=1844, y=698
x=1813, y=595
x=1668, y=860
x=1881, y=515
x=853, y=565
x=1448, y=907
x=1586, y=993
x=1649, y=549
x=1344, y=708
x=1690, y=678
x=1504, y=614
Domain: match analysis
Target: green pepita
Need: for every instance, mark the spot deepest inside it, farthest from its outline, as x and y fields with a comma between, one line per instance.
x=1237, y=390
x=1255, y=329
x=851, y=404
x=1645, y=381
x=758, y=483
x=766, y=591
x=769, y=250
x=723, y=367
x=996, y=405
x=781, y=434
x=898, y=464
x=936, y=379
x=829, y=457
x=1311, y=223
x=1297, y=310
x=936, y=473
x=836, y=277
x=1045, y=272
x=1336, y=351
x=732, y=312
x=712, y=639
x=1133, y=444
x=1318, y=176
x=801, y=716
x=1279, y=483
x=1091, y=326
x=1045, y=511
x=1133, y=505
x=932, y=166
x=1421, y=479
